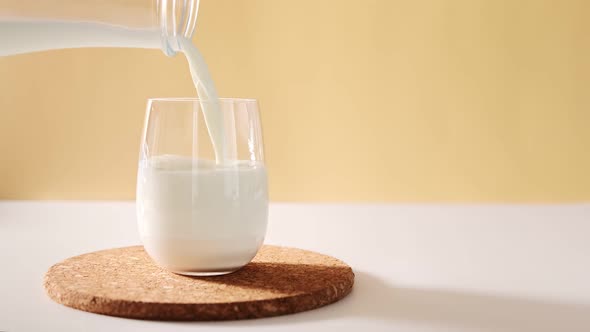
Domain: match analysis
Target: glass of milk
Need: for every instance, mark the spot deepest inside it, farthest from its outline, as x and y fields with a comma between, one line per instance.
x=202, y=196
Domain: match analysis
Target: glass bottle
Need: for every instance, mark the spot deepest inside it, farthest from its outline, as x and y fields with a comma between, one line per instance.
x=33, y=25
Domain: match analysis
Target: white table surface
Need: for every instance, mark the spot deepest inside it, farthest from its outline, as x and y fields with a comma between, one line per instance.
x=418, y=267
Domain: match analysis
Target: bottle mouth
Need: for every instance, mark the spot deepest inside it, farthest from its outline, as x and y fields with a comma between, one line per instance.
x=177, y=19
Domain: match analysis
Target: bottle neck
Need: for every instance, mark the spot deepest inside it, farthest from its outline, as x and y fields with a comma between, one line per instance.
x=177, y=19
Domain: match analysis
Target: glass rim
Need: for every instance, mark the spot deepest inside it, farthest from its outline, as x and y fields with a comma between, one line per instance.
x=197, y=99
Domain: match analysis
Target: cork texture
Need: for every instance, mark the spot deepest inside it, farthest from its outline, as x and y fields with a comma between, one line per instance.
x=125, y=282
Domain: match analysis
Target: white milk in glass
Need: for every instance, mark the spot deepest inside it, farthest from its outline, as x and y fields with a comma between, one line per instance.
x=201, y=214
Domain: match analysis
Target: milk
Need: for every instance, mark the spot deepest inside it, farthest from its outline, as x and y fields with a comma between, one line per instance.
x=24, y=36
x=209, y=100
x=197, y=217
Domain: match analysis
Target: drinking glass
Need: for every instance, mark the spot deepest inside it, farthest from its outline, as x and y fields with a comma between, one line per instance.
x=200, y=213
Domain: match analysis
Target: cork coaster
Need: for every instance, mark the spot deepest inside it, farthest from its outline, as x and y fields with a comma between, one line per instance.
x=125, y=282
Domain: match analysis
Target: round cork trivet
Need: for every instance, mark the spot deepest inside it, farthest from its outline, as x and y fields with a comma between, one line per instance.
x=125, y=282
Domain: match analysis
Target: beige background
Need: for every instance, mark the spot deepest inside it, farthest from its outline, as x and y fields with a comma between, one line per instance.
x=361, y=100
